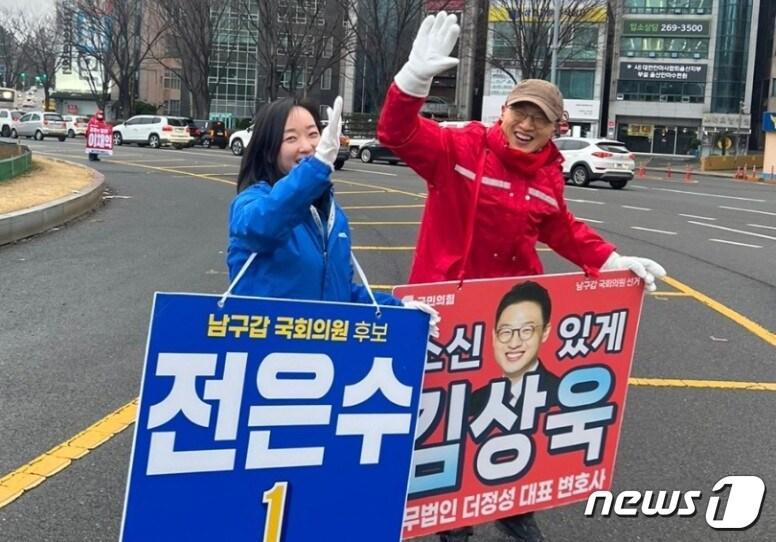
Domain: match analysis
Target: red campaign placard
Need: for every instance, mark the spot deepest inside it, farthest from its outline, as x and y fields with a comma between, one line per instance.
x=99, y=140
x=523, y=396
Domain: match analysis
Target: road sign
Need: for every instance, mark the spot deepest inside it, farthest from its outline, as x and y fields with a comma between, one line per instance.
x=288, y=418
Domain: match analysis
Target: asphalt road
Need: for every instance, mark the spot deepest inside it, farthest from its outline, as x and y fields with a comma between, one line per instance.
x=76, y=304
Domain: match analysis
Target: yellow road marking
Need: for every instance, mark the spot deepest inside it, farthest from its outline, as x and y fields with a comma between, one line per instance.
x=177, y=171
x=351, y=192
x=702, y=384
x=738, y=318
x=381, y=248
x=385, y=223
x=406, y=206
x=26, y=477
x=34, y=473
x=387, y=189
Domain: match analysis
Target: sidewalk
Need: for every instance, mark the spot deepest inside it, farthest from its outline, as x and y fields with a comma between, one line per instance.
x=679, y=164
x=52, y=193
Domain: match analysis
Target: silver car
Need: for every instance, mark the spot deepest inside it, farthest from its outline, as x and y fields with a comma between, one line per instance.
x=38, y=124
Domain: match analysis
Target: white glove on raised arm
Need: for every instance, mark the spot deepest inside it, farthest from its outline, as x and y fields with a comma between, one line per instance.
x=430, y=54
x=329, y=144
x=644, y=268
x=433, y=323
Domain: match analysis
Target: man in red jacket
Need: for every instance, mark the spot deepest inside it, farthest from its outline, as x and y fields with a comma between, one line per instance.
x=493, y=193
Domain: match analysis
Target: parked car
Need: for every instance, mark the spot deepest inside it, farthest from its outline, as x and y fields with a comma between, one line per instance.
x=240, y=139
x=39, y=125
x=75, y=124
x=194, y=129
x=152, y=130
x=596, y=159
x=213, y=133
x=374, y=150
x=8, y=120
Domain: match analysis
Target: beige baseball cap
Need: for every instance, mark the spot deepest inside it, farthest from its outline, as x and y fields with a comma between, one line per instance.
x=541, y=93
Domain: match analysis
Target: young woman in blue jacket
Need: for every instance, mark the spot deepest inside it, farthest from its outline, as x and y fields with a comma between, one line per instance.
x=285, y=212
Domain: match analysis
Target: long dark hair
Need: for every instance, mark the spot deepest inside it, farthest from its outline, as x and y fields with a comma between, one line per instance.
x=260, y=160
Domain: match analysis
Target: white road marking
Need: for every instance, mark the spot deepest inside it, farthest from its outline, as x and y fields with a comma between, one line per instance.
x=590, y=220
x=734, y=243
x=761, y=226
x=706, y=194
x=585, y=201
x=375, y=172
x=696, y=216
x=747, y=210
x=654, y=231
x=636, y=208
x=742, y=232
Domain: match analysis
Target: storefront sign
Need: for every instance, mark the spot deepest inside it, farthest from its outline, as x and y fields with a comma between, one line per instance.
x=769, y=121
x=582, y=110
x=651, y=27
x=691, y=73
x=726, y=121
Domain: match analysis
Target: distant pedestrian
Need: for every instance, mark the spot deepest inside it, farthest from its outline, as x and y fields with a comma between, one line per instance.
x=96, y=123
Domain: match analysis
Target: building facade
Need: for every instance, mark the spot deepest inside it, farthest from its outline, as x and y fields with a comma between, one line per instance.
x=682, y=75
x=580, y=71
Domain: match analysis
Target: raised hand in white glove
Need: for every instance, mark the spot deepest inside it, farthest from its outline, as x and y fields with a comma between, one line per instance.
x=644, y=268
x=430, y=54
x=329, y=144
x=433, y=323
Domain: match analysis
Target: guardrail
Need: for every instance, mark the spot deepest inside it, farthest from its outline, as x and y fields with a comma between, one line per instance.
x=14, y=165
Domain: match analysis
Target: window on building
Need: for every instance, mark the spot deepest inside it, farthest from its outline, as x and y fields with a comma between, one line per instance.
x=576, y=84
x=171, y=80
x=328, y=48
x=283, y=44
x=173, y=107
x=664, y=47
x=326, y=79
x=583, y=45
x=668, y=6
x=661, y=91
x=773, y=87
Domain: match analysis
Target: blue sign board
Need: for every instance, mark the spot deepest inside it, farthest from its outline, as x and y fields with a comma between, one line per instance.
x=274, y=421
x=769, y=121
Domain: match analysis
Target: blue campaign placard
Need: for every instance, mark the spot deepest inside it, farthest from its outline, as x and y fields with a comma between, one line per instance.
x=769, y=121
x=274, y=420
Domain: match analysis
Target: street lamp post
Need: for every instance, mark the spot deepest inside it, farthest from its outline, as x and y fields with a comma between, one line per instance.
x=738, y=133
x=555, y=32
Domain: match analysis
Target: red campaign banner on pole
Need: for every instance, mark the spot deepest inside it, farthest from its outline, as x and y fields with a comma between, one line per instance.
x=99, y=140
x=523, y=395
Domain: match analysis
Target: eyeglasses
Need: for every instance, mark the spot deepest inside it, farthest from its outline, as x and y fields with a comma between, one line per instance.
x=506, y=334
x=540, y=120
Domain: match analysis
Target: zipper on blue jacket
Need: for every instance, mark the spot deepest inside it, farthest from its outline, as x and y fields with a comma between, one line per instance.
x=317, y=219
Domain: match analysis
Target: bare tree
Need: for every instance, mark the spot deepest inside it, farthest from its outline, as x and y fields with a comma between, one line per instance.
x=523, y=29
x=42, y=46
x=201, y=37
x=111, y=41
x=12, y=56
x=298, y=43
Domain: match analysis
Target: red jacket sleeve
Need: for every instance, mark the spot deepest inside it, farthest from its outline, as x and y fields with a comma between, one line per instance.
x=420, y=142
x=572, y=238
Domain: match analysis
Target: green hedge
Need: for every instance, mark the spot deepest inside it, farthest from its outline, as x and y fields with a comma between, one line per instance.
x=16, y=165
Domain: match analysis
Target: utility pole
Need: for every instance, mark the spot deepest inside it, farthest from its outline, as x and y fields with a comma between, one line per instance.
x=555, y=32
x=738, y=133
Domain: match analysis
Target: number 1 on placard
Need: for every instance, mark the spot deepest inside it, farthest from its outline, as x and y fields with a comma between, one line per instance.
x=275, y=499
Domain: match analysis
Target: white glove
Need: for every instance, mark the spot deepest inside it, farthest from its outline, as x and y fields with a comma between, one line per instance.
x=329, y=144
x=433, y=323
x=430, y=54
x=644, y=268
